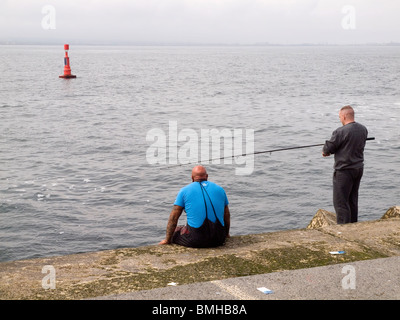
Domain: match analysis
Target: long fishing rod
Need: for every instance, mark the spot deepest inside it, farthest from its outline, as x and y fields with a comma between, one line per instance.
x=266, y=151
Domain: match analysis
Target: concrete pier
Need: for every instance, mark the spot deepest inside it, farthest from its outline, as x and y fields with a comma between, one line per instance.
x=120, y=271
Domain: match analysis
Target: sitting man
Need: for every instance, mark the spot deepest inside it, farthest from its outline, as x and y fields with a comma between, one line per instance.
x=208, y=216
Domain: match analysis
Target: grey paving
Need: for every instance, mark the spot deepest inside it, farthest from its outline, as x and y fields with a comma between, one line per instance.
x=376, y=279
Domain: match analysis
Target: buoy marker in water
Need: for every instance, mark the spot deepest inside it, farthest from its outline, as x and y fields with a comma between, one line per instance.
x=67, y=69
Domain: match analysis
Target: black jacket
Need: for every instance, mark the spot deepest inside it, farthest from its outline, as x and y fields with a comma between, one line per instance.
x=347, y=144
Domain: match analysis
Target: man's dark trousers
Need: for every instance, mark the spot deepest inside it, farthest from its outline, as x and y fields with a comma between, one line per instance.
x=345, y=194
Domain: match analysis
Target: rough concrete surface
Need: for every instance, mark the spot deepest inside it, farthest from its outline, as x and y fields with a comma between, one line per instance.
x=361, y=280
x=113, y=272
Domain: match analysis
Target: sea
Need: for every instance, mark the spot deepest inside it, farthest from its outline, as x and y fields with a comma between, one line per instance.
x=96, y=162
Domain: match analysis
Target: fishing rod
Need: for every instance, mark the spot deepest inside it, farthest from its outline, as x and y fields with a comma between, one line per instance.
x=284, y=149
x=266, y=151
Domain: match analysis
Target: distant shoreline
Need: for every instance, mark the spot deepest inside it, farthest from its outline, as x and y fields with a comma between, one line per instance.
x=183, y=44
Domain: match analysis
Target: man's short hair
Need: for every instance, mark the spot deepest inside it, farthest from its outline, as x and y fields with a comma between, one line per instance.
x=348, y=110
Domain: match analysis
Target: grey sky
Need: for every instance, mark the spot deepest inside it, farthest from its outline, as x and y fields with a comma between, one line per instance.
x=200, y=21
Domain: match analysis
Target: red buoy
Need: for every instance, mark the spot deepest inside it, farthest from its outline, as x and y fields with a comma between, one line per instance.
x=67, y=69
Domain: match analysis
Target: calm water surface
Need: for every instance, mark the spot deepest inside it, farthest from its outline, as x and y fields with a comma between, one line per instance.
x=74, y=176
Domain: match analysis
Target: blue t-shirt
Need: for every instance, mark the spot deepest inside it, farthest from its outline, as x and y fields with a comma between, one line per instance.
x=191, y=199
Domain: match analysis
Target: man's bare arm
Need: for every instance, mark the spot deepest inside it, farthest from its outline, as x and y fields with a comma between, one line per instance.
x=172, y=223
x=227, y=220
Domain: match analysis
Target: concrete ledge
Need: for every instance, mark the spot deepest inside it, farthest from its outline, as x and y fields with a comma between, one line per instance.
x=393, y=212
x=375, y=279
x=322, y=219
x=123, y=270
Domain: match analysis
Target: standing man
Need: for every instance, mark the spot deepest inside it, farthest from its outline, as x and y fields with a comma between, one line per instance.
x=347, y=144
x=208, y=216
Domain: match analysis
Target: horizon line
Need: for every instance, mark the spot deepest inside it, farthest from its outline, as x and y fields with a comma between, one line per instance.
x=184, y=44
x=194, y=44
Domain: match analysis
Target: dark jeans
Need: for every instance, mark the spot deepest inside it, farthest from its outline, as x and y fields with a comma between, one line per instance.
x=209, y=235
x=345, y=194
